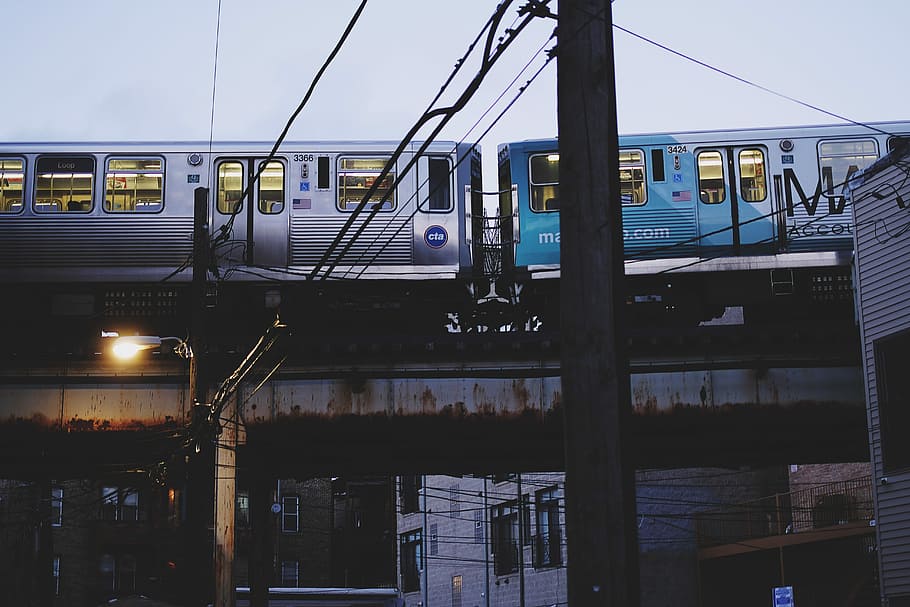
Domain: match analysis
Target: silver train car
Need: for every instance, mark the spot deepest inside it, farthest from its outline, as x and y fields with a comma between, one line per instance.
x=123, y=212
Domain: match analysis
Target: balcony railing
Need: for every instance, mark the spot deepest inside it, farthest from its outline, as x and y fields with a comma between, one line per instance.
x=836, y=503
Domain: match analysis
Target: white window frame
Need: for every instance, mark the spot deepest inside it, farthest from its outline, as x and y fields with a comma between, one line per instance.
x=56, y=575
x=56, y=506
x=290, y=502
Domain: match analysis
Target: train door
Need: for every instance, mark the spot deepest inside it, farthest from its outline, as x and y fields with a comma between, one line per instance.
x=735, y=210
x=253, y=220
x=436, y=225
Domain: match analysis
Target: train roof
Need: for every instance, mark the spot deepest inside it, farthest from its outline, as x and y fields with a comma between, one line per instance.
x=215, y=146
x=734, y=134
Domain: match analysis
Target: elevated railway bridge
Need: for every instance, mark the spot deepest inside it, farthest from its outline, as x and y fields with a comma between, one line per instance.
x=707, y=395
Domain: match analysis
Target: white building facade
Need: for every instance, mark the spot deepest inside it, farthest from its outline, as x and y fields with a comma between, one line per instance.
x=880, y=199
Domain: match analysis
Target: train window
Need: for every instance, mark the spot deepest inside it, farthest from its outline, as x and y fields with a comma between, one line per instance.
x=839, y=160
x=505, y=185
x=322, y=173
x=657, y=165
x=271, y=188
x=230, y=187
x=544, y=173
x=134, y=185
x=440, y=197
x=12, y=175
x=632, y=177
x=898, y=141
x=752, y=184
x=355, y=178
x=711, y=188
x=64, y=184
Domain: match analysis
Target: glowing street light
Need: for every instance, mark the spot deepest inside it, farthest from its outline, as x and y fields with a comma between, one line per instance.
x=128, y=346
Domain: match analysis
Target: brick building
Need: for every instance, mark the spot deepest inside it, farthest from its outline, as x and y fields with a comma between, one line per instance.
x=80, y=542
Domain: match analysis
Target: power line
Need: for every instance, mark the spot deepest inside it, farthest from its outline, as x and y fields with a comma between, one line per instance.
x=744, y=80
x=214, y=83
x=445, y=114
x=226, y=229
x=387, y=241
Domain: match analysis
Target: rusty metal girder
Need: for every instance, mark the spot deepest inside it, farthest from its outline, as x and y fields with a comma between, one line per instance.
x=83, y=403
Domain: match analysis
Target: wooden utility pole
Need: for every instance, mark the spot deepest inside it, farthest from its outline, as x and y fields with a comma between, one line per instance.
x=600, y=482
x=225, y=500
x=200, y=478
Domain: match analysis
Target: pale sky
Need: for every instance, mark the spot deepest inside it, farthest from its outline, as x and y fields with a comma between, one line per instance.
x=126, y=70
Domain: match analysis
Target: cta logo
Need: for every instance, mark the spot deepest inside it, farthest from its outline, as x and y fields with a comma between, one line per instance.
x=436, y=237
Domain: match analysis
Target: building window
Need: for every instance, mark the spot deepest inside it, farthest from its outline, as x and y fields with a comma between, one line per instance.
x=411, y=553
x=57, y=506
x=504, y=527
x=434, y=539
x=356, y=176
x=893, y=387
x=119, y=504
x=478, y=527
x=12, y=177
x=411, y=484
x=129, y=505
x=547, y=541
x=290, y=513
x=243, y=509
x=453, y=501
x=57, y=575
x=525, y=512
x=456, y=590
x=134, y=185
x=290, y=572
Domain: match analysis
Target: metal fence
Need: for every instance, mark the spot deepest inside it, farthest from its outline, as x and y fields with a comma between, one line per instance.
x=817, y=507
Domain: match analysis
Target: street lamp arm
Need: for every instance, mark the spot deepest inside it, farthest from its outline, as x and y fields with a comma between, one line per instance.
x=128, y=346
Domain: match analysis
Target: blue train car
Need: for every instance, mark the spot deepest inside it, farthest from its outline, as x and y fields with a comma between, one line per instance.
x=703, y=194
x=711, y=219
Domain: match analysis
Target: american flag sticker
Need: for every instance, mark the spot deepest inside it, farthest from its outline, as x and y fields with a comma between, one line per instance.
x=302, y=203
x=682, y=196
